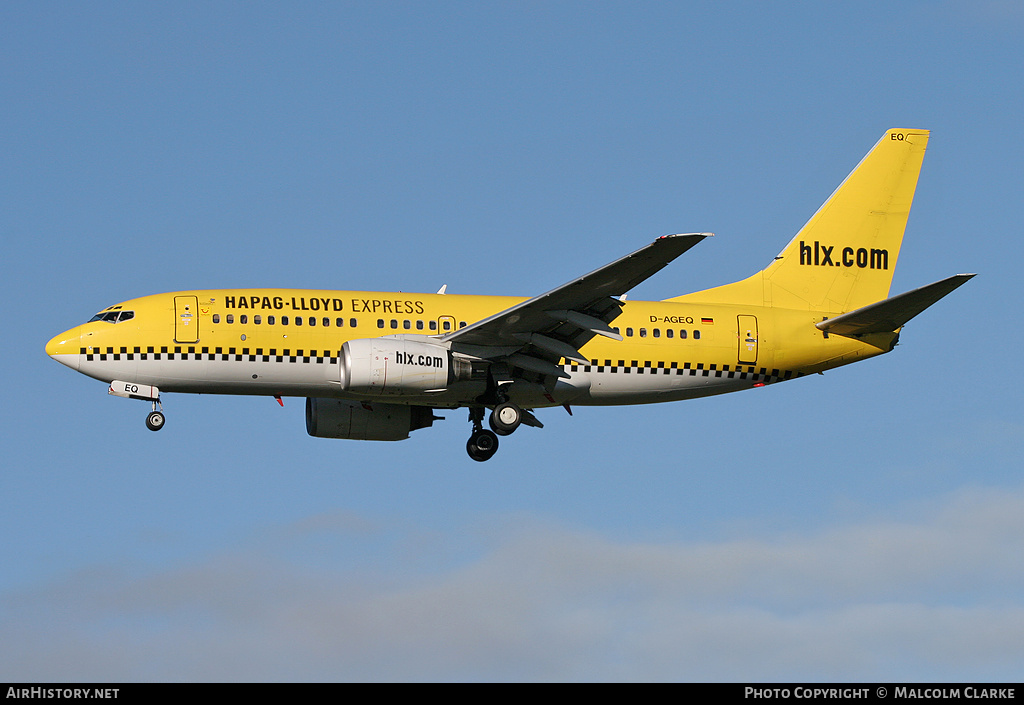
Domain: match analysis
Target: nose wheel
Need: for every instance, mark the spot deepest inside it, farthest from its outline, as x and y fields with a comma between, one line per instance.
x=155, y=420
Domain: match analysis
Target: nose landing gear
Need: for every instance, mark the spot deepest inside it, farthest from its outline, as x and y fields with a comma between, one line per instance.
x=155, y=419
x=130, y=390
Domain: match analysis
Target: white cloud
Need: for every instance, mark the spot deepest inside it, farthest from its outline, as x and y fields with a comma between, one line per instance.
x=935, y=594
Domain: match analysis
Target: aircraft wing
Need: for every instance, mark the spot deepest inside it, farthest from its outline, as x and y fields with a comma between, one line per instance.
x=537, y=333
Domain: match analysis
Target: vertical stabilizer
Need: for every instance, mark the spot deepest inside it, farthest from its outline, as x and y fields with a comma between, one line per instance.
x=844, y=257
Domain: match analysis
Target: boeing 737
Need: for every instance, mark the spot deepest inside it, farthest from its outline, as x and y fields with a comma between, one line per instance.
x=376, y=366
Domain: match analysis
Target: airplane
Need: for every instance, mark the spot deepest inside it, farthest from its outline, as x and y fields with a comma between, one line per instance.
x=376, y=366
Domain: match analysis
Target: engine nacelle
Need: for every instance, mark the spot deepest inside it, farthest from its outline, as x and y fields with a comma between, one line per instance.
x=340, y=418
x=397, y=366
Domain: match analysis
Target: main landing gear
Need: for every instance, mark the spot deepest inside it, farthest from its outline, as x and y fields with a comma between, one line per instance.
x=504, y=419
x=482, y=444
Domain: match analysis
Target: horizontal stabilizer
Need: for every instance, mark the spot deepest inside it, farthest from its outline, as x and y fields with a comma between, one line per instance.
x=892, y=313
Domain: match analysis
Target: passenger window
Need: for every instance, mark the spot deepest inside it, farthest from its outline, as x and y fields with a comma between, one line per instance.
x=352, y=322
x=216, y=318
x=668, y=333
x=243, y=319
x=616, y=329
x=629, y=332
x=326, y=321
x=380, y=322
x=312, y=321
x=298, y=320
x=696, y=335
x=643, y=332
x=284, y=320
x=682, y=334
x=340, y=322
x=447, y=325
x=257, y=320
x=270, y=320
x=407, y=324
x=230, y=318
x=419, y=325
x=432, y=325
x=657, y=332
x=394, y=323
x=462, y=324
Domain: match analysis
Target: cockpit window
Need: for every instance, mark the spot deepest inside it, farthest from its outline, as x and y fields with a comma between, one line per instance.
x=113, y=316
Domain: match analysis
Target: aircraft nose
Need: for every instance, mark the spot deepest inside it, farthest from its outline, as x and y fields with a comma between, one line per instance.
x=65, y=348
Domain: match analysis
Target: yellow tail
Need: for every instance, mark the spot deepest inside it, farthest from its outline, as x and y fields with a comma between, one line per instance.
x=844, y=257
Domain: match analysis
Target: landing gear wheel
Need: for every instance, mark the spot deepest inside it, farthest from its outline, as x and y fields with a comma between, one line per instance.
x=482, y=445
x=505, y=418
x=155, y=420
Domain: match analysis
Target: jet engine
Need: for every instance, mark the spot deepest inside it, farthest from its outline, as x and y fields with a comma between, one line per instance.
x=398, y=366
x=340, y=418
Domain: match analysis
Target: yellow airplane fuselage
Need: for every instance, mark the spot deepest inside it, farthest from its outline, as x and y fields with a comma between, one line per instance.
x=285, y=342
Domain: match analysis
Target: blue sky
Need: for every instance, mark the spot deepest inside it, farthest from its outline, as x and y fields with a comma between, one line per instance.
x=861, y=525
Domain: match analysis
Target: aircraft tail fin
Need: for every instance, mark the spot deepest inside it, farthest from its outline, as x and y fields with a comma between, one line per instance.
x=844, y=257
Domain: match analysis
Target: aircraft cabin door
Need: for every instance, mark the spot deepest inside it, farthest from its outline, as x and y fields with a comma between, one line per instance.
x=186, y=319
x=747, y=329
